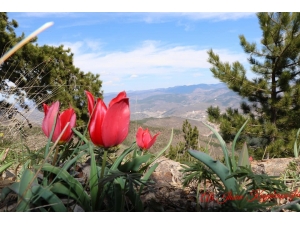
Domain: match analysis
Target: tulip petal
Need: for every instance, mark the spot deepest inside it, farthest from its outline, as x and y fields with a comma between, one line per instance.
x=146, y=137
x=96, y=122
x=91, y=102
x=150, y=143
x=65, y=117
x=116, y=123
x=46, y=108
x=119, y=97
x=139, y=137
x=49, y=119
x=57, y=129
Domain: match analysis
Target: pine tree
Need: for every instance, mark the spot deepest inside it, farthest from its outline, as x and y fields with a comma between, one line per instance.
x=272, y=99
x=180, y=151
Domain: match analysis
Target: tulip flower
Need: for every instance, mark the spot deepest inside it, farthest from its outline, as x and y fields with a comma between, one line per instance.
x=144, y=139
x=62, y=119
x=108, y=126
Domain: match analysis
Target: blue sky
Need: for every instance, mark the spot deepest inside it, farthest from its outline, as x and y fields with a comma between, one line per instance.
x=138, y=51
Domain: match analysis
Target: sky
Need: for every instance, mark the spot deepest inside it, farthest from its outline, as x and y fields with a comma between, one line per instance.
x=143, y=50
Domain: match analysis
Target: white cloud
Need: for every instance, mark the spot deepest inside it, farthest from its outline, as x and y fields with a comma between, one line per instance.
x=198, y=74
x=150, y=58
x=162, y=17
x=133, y=76
x=148, y=17
x=218, y=15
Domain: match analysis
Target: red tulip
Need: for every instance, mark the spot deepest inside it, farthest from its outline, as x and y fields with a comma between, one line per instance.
x=108, y=126
x=62, y=119
x=144, y=139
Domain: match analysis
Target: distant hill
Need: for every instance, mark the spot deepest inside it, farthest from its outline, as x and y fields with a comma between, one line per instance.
x=188, y=101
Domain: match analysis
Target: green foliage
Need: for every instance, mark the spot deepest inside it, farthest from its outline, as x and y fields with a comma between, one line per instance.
x=45, y=73
x=34, y=195
x=214, y=114
x=4, y=165
x=191, y=137
x=115, y=186
x=272, y=98
x=241, y=186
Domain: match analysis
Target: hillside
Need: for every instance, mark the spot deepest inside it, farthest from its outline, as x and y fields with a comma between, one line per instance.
x=160, y=110
x=164, y=126
x=181, y=101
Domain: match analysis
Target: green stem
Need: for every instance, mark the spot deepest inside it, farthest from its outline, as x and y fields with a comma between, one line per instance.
x=101, y=176
x=54, y=162
x=103, y=163
x=55, y=155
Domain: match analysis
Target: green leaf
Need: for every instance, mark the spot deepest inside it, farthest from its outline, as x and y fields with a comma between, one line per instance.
x=134, y=164
x=147, y=176
x=162, y=151
x=24, y=192
x=93, y=181
x=121, y=157
x=5, y=166
x=224, y=147
x=6, y=190
x=118, y=197
x=55, y=202
x=72, y=161
x=1, y=156
x=296, y=149
x=24, y=167
x=244, y=157
x=76, y=187
x=218, y=168
x=59, y=188
x=80, y=135
x=233, y=145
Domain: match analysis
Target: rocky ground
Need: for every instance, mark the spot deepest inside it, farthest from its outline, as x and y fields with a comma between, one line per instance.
x=167, y=193
x=172, y=196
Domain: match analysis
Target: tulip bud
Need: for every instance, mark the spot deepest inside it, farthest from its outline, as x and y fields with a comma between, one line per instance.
x=144, y=139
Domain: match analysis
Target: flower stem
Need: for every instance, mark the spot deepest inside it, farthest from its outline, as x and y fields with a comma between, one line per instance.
x=101, y=176
x=103, y=164
x=54, y=162
x=55, y=155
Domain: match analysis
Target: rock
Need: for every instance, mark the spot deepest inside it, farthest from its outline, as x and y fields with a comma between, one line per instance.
x=271, y=167
x=167, y=172
x=166, y=193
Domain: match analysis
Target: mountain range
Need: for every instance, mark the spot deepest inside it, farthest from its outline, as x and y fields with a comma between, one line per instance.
x=188, y=101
